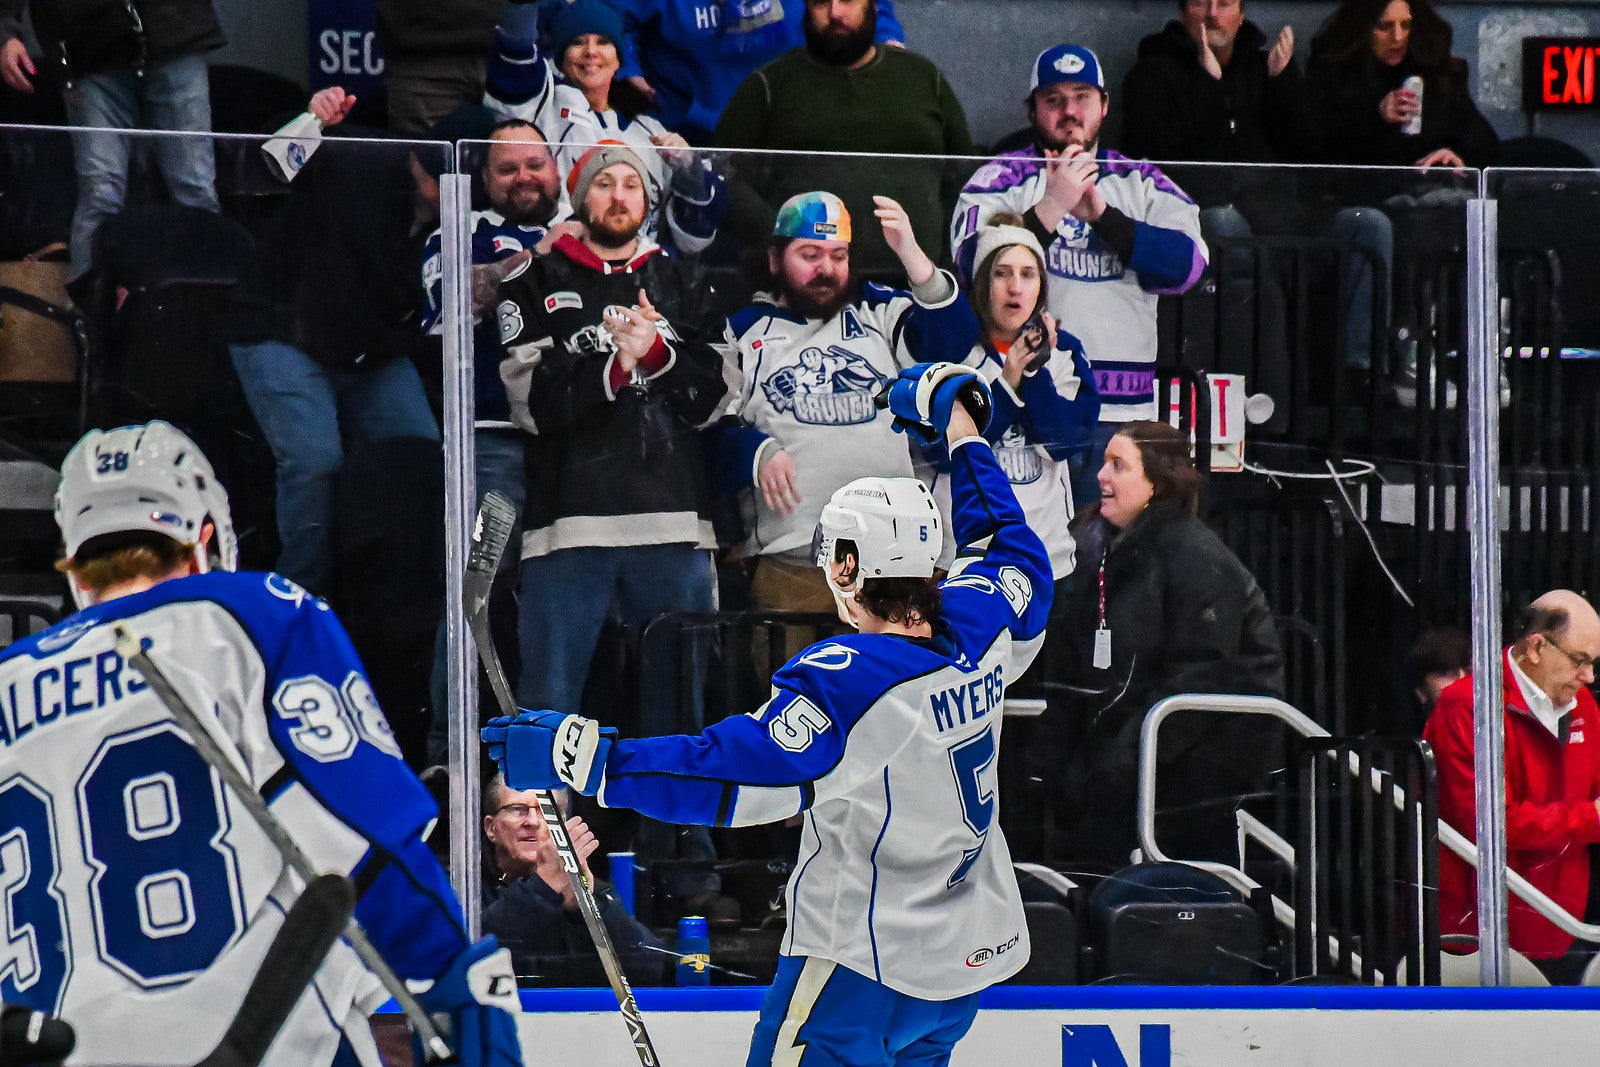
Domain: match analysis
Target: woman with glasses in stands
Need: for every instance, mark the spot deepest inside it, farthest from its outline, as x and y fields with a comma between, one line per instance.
x=1158, y=606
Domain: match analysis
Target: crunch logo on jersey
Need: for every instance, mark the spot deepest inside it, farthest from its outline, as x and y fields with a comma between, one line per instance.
x=827, y=387
x=1079, y=254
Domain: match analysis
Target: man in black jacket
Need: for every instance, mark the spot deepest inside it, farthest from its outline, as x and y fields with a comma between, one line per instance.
x=532, y=909
x=1211, y=88
x=131, y=65
x=611, y=367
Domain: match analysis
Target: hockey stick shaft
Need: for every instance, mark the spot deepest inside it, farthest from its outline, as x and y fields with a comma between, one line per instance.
x=490, y=532
x=133, y=652
x=315, y=921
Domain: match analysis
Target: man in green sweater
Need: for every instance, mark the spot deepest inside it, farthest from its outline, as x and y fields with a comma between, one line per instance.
x=844, y=93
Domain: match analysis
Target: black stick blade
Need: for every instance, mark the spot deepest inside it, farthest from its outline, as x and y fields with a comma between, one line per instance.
x=491, y=533
x=313, y=924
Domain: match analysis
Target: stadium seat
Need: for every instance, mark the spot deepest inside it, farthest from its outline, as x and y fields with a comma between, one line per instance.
x=1053, y=935
x=1173, y=924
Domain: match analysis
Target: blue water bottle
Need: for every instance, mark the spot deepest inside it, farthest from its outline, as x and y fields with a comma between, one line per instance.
x=694, y=951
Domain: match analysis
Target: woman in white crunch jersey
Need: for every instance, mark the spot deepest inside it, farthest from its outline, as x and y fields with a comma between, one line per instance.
x=903, y=905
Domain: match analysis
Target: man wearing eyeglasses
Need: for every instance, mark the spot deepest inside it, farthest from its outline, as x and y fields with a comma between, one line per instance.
x=1552, y=779
x=533, y=910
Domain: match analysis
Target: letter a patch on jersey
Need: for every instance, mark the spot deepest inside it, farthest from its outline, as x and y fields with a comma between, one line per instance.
x=852, y=325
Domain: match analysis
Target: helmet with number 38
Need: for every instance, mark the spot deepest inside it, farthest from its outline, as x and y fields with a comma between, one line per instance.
x=144, y=479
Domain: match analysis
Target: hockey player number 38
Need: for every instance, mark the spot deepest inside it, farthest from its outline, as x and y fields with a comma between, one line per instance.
x=164, y=891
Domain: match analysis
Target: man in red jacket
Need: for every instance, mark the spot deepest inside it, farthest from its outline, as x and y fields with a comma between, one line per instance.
x=1552, y=778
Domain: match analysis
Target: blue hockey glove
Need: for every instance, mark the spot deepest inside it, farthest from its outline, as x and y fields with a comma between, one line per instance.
x=478, y=995
x=924, y=394
x=548, y=750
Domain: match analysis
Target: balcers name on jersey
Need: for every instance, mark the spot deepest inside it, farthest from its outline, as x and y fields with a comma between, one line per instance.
x=87, y=683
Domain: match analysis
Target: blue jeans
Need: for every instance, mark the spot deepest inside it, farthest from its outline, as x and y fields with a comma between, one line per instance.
x=306, y=410
x=568, y=594
x=498, y=458
x=171, y=96
x=853, y=1021
x=1371, y=236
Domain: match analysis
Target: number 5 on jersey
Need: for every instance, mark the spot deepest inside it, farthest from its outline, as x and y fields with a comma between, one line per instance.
x=969, y=759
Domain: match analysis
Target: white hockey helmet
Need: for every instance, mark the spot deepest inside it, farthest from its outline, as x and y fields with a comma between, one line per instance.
x=148, y=478
x=893, y=522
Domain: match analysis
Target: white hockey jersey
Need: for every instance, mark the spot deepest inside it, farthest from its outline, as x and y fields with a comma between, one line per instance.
x=1032, y=430
x=141, y=896
x=889, y=747
x=1108, y=303
x=807, y=387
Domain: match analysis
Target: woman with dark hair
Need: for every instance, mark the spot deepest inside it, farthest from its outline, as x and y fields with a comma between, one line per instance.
x=573, y=96
x=1159, y=606
x=1360, y=60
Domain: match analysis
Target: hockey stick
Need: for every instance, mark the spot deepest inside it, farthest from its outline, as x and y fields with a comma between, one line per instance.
x=133, y=652
x=490, y=533
x=313, y=924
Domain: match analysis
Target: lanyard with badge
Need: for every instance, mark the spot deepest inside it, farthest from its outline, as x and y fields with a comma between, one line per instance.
x=1102, y=635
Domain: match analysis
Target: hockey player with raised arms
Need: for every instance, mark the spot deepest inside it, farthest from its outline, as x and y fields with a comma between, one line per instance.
x=141, y=896
x=903, y=905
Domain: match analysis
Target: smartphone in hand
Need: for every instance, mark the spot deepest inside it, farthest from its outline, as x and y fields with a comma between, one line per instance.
x=1036, y=339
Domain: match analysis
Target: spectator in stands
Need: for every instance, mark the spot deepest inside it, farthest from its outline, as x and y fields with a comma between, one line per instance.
x=1159, y=606
x=690, y=55
x=531, y=906
x=1211, y=87
x=844, y=93
x=580, y=103
x=526, y=213
x=327, y=318
x=1360, y=59
x=1116, y=235
x=134, y=65
x=812, y=353
x=433, y=57
x=1439, y=656
x=612, y=367
x=1552, y=767
x=1045, y=402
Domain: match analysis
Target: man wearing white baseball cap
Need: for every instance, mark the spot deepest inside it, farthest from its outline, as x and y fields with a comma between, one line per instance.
x=1117, y=234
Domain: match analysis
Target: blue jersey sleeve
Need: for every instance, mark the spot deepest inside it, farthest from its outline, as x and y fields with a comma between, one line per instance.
x=766, y=766
x=336, y=744
x=1001, y=578
x=1168, y=261
x=889, y=28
